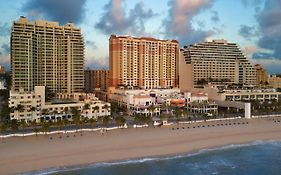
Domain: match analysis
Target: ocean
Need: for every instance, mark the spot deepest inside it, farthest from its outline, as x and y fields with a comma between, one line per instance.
x=256, y=158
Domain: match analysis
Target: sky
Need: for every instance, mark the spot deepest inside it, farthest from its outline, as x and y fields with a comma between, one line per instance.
x=254, y=25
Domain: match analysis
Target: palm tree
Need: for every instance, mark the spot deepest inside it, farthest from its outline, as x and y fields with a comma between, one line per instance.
x=120, y=120
x=138, y=119
x=3, y=129
x=178, y=113
x=20, y=108
x=92, y=122
x=59, y=124
x=86, y=106
x=106, y=120
x=65, y=110
x=23, y=124
x=36, y=130
x=151, y=109
x=46, y=127
x=14, y=125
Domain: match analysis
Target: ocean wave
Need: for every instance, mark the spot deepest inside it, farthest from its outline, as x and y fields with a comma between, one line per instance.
x=149, y=159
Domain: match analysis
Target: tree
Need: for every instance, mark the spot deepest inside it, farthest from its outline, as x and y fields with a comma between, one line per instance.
x=92, y=122
x=23, y=124
x=14, y=125
x=86, y=106
x=178, y=114
x=59, y=124
x=36, y=130
x=20, y=108
x=106, y=120
x=46, y=127
x=65, y=110
x=140, y=119
x=151, y=109
x=114, y=107
x=3, y=129
x=120, y=120
x=76, y=114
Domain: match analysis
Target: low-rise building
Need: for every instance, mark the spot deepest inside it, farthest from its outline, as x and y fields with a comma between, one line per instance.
x=142, y=100
x=250, y=93
x=200, y=103
x=149, y=101
x=30, y=106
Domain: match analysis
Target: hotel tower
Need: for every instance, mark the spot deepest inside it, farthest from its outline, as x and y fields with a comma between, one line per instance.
x=218, y=62
x=46, y=54
x=143, y=62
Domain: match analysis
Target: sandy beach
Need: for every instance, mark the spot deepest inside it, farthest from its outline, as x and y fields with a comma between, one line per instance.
x=24, y=154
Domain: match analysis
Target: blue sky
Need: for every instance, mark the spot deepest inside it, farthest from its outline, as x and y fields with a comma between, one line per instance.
x=254, y=24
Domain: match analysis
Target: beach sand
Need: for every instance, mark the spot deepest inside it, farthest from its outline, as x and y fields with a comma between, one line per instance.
x=24, y=154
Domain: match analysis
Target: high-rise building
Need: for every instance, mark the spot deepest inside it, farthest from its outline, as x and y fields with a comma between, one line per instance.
x=43, y=53
x=143, y=62
x=217, y=61
x=96, y=80
x=262, y=76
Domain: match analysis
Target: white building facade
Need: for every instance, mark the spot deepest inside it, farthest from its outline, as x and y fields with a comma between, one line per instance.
x=30, y=106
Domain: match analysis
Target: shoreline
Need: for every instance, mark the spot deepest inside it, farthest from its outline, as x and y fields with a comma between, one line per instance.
x=52, y=170
x=35, y=154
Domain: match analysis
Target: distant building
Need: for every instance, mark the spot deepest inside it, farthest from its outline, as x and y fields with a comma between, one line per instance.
x=2, y=70
x=96, y=80
x=143, y=62
x=218, y=62
x=274, y=81
x=43, y=53
x=30, y=106
x=262, y=76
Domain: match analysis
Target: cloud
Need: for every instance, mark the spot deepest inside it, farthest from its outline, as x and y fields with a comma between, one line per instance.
x=262, y=55
x=114, y=19
x=56, y=10
x=5, y=48
x=269, y=24
x=254, y=3
x=248, y=32
x=97, y=63
x=215, y=16
x=4, y=29
x=249, y=50
x=178, y=24
x=5, y=59
x=271, y=65
x=91, y=44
